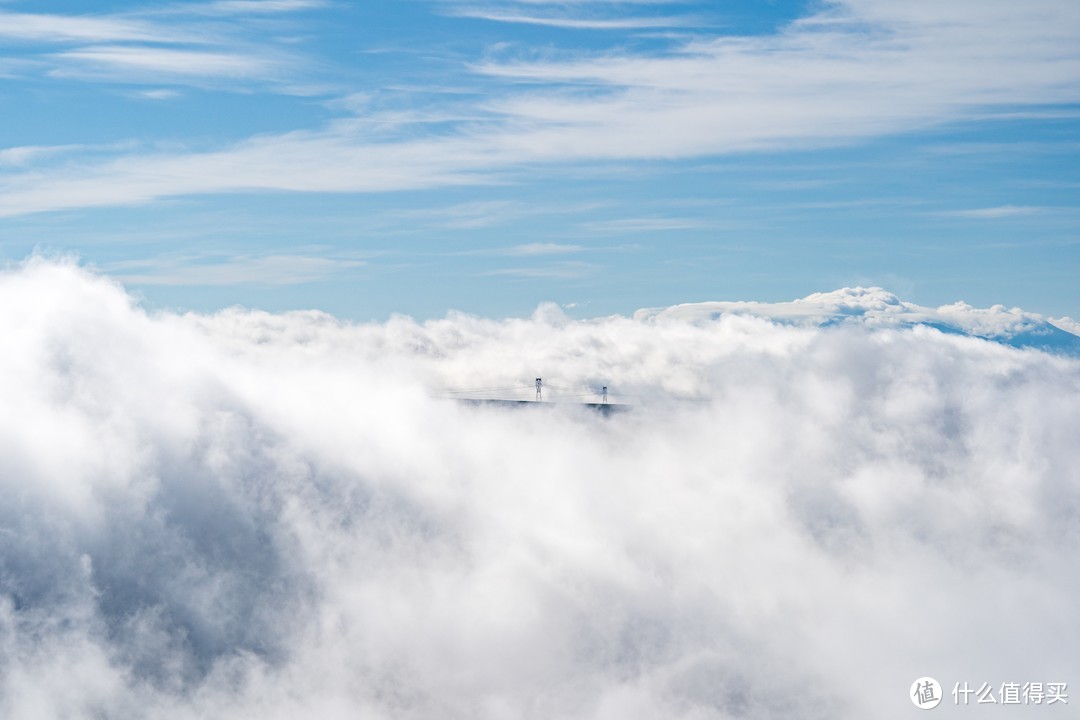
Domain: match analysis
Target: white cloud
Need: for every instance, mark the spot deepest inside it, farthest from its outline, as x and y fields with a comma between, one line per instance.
x=159, y=94
x=871, y=74
x=302, y=162
x=586, y=3
x=1067, y=324
x=279, y=269
x=485, y=213
x=643, y=225
x=175, y=43
x=574, y=23
x=530, y=250
x=231, y=7
x=993, y=213
x=253, y=515
x=563, y=269
x=26, y=154
x=543, y=249
x=74, y=28
x=152, y=63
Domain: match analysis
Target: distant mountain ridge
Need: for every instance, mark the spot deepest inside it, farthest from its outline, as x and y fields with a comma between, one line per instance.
x=875, y=307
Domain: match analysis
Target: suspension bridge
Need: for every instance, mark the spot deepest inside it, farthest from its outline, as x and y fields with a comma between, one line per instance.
x=595, y=397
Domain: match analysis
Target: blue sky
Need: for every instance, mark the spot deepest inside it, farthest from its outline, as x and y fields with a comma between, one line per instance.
x=418, y=156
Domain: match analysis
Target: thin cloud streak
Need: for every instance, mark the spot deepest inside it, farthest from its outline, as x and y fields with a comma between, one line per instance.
x=203, y=271
x=33, y=27
x=184, y=47
x=155, y=62
x=643, y=225
x=562, y=270
x=254, y=7
x=634, y=23
x=26, y=155
x=532, y=249
x=994, y=213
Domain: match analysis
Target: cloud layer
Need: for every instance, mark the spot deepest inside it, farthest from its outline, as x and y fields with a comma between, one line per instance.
x=250, y=515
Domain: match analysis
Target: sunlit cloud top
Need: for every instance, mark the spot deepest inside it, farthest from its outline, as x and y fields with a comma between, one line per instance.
x=280, y=515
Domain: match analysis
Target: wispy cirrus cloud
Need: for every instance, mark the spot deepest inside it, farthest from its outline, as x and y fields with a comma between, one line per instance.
x=544, y=250
x=537, y=249
x=533, y=249
x=560, y=270
x=853, y=70
x=25, y=155
x=575, y=15
x=253, y=7
x=464, y=216
x=485, y=213
x=158, y=94
x=217, y=270
x=994, y=213
x=179, y=44
x=575, y=23
x=52, y=28
x=152, y=63
x=643, y=225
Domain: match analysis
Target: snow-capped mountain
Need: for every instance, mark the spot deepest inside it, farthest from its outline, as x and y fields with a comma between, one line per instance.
x=877, y=308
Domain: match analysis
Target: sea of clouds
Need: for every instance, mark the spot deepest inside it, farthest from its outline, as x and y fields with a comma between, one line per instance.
x=248, y=515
